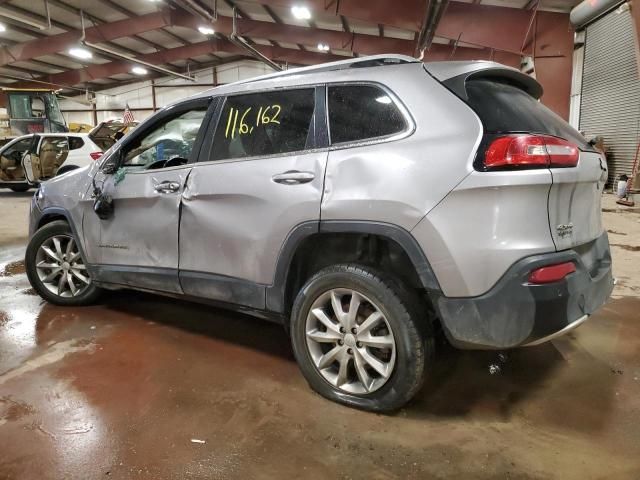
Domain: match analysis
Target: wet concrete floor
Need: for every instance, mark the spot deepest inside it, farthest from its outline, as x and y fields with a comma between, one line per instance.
x=146, y=387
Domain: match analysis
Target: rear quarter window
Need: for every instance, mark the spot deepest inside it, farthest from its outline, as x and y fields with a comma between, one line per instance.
x=362, y=112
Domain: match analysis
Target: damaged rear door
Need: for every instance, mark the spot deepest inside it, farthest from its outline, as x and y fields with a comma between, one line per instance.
x=260, y=175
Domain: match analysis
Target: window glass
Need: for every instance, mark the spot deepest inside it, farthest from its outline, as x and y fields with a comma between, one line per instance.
x=505, y=108
x=361, y=112
x=75, y=143
x=261, y=124
x=20, y=105
x=15, y=152
x=173, y=139
x=53, y=109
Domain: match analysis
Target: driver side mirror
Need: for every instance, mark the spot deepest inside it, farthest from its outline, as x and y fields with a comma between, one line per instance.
x=111, y=165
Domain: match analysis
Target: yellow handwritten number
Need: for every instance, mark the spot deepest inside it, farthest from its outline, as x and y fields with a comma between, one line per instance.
x=262, y=118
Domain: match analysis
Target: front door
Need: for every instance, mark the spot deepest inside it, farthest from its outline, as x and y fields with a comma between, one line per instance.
x=260, y=178
x=138, y=244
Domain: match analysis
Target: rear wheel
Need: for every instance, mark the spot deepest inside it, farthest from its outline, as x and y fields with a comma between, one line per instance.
x=359, y=338
x=56, y=269
x=20, y=188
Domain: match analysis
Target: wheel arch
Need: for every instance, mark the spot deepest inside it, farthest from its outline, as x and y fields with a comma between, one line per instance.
x=309, y=235
x=52, y=214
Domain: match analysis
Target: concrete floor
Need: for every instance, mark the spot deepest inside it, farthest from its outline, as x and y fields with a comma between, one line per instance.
x=146, y=387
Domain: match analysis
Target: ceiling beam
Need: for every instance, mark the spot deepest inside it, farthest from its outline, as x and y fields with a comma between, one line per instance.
x=95, y=72
x=98, y=21
x=308, y=36
x=406, y=14
x=16, y=26
x=499, y=28
x=336, y=40
x=155, y=75
x=97, y=34
x=128, y=13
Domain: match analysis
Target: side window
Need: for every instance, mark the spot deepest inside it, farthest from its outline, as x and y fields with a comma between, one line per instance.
x=15, y=152
x=266, y=123
x=75, y=143
x=172, y=140
x=362, y=112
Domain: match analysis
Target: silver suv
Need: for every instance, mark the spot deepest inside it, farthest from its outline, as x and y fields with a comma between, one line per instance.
x=367, y=205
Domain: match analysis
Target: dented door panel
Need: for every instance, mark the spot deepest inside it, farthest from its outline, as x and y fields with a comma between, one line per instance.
x=143, y=230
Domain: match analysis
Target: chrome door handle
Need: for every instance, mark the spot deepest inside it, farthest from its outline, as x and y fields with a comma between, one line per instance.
x=167, y=187
x=293, y=177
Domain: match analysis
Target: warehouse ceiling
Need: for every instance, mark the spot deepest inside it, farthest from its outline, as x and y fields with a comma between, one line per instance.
x=122, y=34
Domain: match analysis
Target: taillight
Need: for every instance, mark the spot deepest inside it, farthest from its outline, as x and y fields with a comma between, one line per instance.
x=530, y=151
x=95, y=155
x=551, y=273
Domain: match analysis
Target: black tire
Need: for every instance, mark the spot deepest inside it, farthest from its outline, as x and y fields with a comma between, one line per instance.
x=59, y=227
x=20, y=188
x=405, y=314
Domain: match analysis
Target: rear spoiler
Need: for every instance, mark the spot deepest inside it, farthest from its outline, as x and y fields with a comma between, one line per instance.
x=454, y=75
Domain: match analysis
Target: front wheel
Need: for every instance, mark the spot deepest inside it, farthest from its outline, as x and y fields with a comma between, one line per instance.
x=359, y=338
x=56, y=269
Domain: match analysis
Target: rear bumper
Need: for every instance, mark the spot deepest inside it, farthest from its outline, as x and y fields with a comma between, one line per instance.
x=515, y=313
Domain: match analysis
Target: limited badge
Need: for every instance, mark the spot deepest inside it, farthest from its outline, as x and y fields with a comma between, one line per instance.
x=565, y=230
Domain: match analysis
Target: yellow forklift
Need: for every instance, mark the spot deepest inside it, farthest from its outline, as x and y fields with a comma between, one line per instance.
x=29, y=110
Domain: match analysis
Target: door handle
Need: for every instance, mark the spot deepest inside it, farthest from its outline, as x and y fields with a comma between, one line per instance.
x=167, y=187
x=293, y=177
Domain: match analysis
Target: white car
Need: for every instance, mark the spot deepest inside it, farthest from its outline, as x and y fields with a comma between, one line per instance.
x=50, y=154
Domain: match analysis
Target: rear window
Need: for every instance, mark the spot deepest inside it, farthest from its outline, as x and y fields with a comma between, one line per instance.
x=362, y=112
x=505, y=108
x=75, y=143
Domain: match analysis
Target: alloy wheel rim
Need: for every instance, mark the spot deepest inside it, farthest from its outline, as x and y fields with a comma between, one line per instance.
x=60, y=267
x=350, y=341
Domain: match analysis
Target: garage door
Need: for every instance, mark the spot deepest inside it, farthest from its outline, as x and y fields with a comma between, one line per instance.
x=610, y=105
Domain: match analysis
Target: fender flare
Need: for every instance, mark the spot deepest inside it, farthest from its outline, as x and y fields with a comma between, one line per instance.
x=275, y=294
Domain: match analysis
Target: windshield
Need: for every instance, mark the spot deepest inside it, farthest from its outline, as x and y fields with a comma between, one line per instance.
x=53, y=109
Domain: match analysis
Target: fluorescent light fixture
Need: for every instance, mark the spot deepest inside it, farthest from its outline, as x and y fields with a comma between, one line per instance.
x=139, y=70
x=323, y=47
x=301, y=12
x=80, y=53
x=384, y=99
x=2, y=28
x=206, y=30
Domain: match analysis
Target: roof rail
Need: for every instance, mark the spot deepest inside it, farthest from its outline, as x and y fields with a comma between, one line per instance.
x=360, y=62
